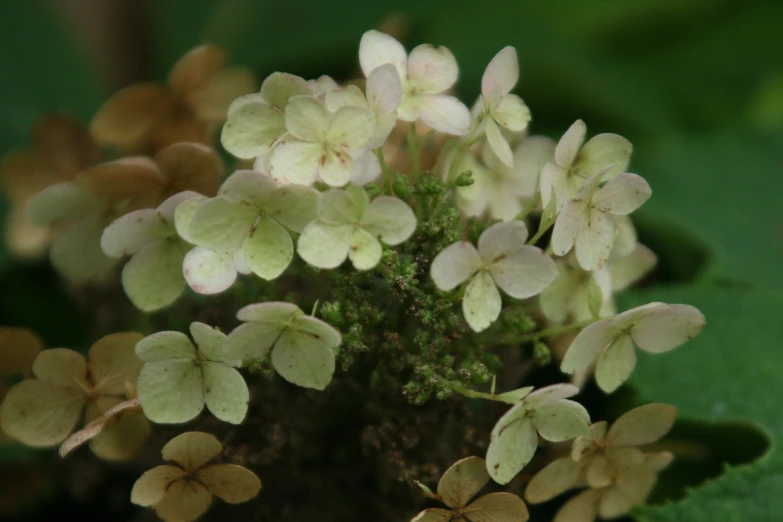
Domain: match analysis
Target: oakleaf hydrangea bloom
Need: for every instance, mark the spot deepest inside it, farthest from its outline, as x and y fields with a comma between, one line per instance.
x=384, y=93
x=302, y=347
x=545, y=412
x=256, y=122
x=349, y=226
x=501, y=260
x=425, y=75
x=251, y=214
x=457, y=487
x=178, y=379
x=577, y=295
x=499, y=106
x=575, y=162
x=324, y=146
x=587, y=220
x=183, y=492
x=654, y=328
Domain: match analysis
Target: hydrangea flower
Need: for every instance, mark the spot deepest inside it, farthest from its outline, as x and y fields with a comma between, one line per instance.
x=501, y=260
x=587, y=221
x=457, y=487
x=178, y=379
x=102, y=426
x=18, y=349
x=595, y=454
x=60, y=148
x=349, y=226
x=499, y=106
x=574, y=162
x=149, y=116
x=425, y=75
x=43, y=411
x=654, y=328
x=322, y=85
x=301, y=347
x=498, y=191
x=324, y=145
x=545, y=412
x=577, y=295
x=256, y=122
x=384, y=93
x=183, y=492
x=250, y=215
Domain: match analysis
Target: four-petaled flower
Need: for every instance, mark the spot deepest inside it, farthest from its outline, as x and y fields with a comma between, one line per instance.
x=501, y=260
x=654, y=328
x=425, y=75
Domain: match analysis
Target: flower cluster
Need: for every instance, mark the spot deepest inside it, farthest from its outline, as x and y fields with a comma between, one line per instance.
x=442, y=271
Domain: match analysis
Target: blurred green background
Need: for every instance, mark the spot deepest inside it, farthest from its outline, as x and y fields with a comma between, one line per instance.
x=696, y=85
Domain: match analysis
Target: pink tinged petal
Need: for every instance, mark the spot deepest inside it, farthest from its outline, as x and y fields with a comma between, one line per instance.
x=132, y=232
x=622, y=194
x=667, y=327
x=434, y=515
x=153, y=278
x=307, y=119
x=586, y=347
x=568, y=225
x=525, y=273
x=642, y=425
x=554, y=185
x=279, y=88
x=366, y=168
x=581, y=508
x=569, y=145
x=249, y=186
x=481, y=304
x=498, y=143
x=555, y=479
x=502, y=73
x=460, y=483
x=615, y=364
x=222, y=225
x=512, y=113
x=431, y=70
x=296, y=162
x=444, y=113
x=549, y=394
x=268, y=249
x=497, y=507
x=594, y=239
x=209, y=272
x=384, y=89
x=501, y=240
x=513, y=443
x=389, y=218
x=351, y=128
x=560, y=420
x=454, y=265
x=324, y=245
x=252, y=126
x=365, y=251
x=377, y=49
x=337, y=167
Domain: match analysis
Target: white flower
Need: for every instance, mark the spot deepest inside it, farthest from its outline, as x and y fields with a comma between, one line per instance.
x=574, y=162
x=587, y=221
x=501, y=260
x=256, y=122
x=321, y=86
x=501, y=107
x=654, y=328
x=425, y=75
x=250, y=215
x=325, y=145
x=545, y=412
x=577, y=295
x=349, y=225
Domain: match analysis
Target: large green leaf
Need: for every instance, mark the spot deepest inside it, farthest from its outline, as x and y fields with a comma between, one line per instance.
x=728, y=373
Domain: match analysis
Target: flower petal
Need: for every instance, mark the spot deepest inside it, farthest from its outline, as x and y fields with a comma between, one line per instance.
x=642, y=425
x=303, y=359
x=569, y=145
x=232, y=483
x=77, y=254
x=184, y=501
x=208, y=272
x=222, y=225
x=512, y=113
x=377, y=49
x=278, y=89
x=191, y=449
x=630, y=269
x=601, y=151
x=431, y=70
x=153, y=278
x=499, y=145
x=586, y=347
x=348, y=96
x=61, y=367
x=250, y=186
x=324, y=245
x=307, y=119
x=343, y=207
x=481, y=304
x=454, y=264
x=134, y=231
x=560, y=420
x=210, y=342
x=365, y=251
x=497, y=507
x=622, y=194
x=367, y=168
x=296, y=162
x=513, y=443
x=225, y=392
x=210, y=102
x=581, y=508
x=252, y=340
x=171, y=391
x=268, y=249
x=384, y=89
x=554, y=185
x=337, y=167
x=667, y=327
x=502, y=73
x=122, y=439
x=351, y=128
x=594, y=239
x=113, y=362
x=61, y=202
x=530, y=156
x=130, y=116
x=556, y=478
x=434, y=515
x=550, y=394
x=166, y=345
x=501, y=240
x=615, y=364
x=524, y=273
x=389, y=218
x=460, y=483
x=252, y=126
x=444, y=113
x=195, y=68
x=150, y=487
x=568, y=225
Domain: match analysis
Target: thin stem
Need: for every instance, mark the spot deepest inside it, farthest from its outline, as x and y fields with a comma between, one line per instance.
x=529, y=207
x=473, y=394
x=547, y=332
x=387, y=173
x=541, y=231
x=413, y=146
x=463, y=149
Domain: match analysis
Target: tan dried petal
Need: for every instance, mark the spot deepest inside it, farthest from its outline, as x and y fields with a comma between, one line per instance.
x=462, y=481
x=18, y=349
x=210, y=101
x=113, y=362
x=190, y=166
x=588, y=443
x=434, y=515
x=556, y=478
x=196, y=68
x=181, y=125
x=135, y=182
x=24, y=174
x=232, y=483
x=192, y=449
x=129, y=117
x=184, y=501
x=581, y=508
x=150, y=487
x=64, y=144
x=497, y=507
x=24, y=238
x=642, y=425
x=62, y=367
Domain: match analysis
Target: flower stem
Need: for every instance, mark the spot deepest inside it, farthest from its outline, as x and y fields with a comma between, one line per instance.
x=546, y=332
x=467, y=392
x=413, y=147
x=387, y=173
x=462, y=150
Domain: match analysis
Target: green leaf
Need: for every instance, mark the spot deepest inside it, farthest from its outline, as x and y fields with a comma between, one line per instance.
x=728, y=373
